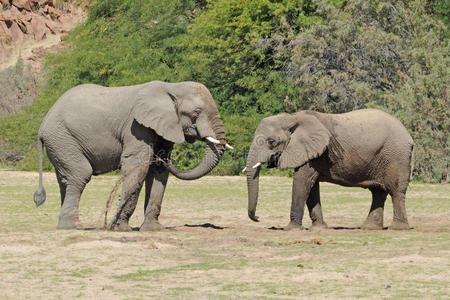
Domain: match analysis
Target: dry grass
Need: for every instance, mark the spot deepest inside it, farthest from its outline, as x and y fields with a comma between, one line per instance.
x=241, y=260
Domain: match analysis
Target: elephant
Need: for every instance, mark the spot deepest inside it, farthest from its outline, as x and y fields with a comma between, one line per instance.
x=93, y=129
x=364, y=148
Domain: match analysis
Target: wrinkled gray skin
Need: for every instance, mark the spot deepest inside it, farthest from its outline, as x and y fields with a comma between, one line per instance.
x=364, y=148
x=93, y=129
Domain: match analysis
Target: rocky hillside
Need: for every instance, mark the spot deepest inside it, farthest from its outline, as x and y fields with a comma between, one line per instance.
x=28, y=27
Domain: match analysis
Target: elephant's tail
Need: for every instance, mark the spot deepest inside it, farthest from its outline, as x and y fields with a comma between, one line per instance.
x=40, y=195
x=411, y=163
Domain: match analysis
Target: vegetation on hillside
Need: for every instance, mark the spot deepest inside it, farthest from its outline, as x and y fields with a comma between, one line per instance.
x=262, y=57
x=18, y=85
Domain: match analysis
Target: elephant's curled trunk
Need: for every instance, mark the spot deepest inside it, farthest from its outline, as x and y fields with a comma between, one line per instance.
x=213, y=153
x=210, y=160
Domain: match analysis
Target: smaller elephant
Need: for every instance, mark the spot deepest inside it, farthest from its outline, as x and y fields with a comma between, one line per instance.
x=365, y=148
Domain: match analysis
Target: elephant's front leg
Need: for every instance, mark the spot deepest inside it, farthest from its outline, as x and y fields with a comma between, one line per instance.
x=134, y=171
x=315, y=208
x=304, y=179
x=155, y=185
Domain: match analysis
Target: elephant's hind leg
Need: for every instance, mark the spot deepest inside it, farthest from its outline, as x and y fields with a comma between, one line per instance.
x=374, y=219
x=71, y=187
x=397, y=189
x=62, y=185
x=400, y=221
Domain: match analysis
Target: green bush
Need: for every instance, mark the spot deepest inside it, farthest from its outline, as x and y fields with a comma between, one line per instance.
x=385, y=55
x=230, y=46
x=18, y=88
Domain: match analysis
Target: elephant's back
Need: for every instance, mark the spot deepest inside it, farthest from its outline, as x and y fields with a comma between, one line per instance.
x=87, y=102
x=372, y=124
x=94, y=99
x=92, y=96
x=368, y=133
x=89, y=116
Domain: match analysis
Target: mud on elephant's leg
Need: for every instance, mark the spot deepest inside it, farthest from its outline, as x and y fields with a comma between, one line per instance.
x=155, y=185
x=315, y=208
x=374, y=219
x=304, y=179
x=134, y=176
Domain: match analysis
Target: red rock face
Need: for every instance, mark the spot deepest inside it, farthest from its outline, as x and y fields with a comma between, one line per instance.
x=5, y=3
x=5, y=34
x=23, y=4
x=5, y=53
x=50, y=11
x=39, y=29
x=17, y=34
x=22, y=20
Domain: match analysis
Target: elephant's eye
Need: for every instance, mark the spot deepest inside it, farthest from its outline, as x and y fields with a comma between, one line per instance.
x=197, y=111
x=271, y=142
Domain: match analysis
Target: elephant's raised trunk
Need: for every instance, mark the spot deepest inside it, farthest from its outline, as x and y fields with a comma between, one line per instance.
x=213, y=154
x=252, y=183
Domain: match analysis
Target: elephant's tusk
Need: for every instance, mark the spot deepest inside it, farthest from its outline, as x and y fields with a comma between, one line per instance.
x=244, y=169
x=212, y=140
x=256, y=165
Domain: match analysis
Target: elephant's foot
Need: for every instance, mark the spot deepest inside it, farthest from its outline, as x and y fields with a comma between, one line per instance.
x=68, y=223
x=153, y=225
x=120, y=226
x=294, y=225
x=317, y=225
x=372, y=225
x=399, y=225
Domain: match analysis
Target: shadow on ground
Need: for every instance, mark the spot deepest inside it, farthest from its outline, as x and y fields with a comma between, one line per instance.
x=205, y=225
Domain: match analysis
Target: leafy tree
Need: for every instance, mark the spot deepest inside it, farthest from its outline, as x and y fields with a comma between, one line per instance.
x=231, y=47
x=380, y=54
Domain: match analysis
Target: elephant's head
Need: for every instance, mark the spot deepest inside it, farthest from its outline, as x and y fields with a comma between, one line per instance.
x=180, y=112
x=283, y=141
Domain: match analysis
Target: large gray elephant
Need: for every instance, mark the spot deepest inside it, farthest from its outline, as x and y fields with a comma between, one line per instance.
x=93, y=129
x=365, y=148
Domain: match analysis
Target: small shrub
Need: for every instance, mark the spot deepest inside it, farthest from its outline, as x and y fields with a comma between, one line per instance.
x=18, y=88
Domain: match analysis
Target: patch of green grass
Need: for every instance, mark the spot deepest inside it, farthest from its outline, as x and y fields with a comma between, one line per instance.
x=82, y=273
x=144, y=275
x=179, y=291
x=270, y=288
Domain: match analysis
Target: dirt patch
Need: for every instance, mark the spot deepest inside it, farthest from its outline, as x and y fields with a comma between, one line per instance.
x=317, y=241
x=212, y=250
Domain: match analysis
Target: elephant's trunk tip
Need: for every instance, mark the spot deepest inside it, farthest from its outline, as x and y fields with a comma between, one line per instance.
x=252, y=216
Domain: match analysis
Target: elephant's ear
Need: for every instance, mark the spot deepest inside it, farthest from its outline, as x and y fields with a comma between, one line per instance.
x=157, y=110
x=309, y=139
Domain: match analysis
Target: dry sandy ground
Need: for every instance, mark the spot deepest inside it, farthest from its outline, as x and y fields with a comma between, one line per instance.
x=221, y=254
